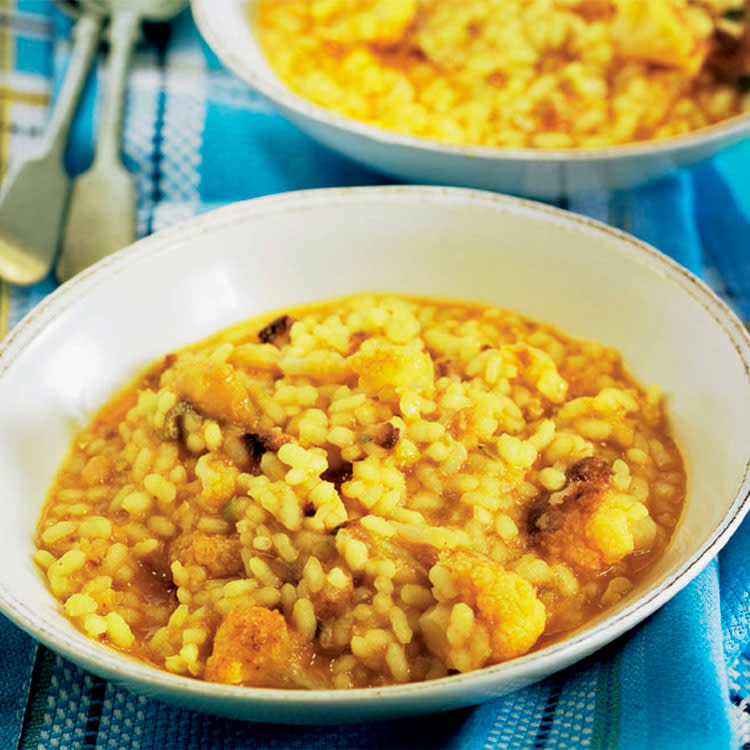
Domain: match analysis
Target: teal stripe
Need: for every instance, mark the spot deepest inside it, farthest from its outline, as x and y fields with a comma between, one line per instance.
x=635, y=676
x=41, y=687
x=4, y=308
x=607, y=712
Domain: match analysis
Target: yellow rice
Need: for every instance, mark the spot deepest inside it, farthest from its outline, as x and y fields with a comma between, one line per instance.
x=517, y=73
x=361, y=492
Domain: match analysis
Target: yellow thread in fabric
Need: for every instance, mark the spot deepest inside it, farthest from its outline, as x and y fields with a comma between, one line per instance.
x=6, y=103
x=23, y=97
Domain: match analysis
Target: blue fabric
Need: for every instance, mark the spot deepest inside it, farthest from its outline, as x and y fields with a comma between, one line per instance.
x=725, y=226
x=16, y=664
x=196, y=138
x=735, y=610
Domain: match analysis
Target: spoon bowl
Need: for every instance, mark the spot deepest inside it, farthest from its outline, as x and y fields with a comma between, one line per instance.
x=27, y=245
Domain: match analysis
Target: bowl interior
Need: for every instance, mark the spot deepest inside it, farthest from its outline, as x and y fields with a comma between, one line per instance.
x=97, y=332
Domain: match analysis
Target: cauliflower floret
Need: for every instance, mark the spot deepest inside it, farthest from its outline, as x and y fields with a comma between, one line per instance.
x=335, y=596
x=587, y=524
x=215, y=391
x=382, y=366
x=609, y=530
x=217, y=553
x=218, y=478
x=252, y=646
x=665, y=32
x=485, y=603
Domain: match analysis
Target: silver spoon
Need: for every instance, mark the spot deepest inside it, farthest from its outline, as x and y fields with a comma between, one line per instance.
x=102, y=211
x=34, y=197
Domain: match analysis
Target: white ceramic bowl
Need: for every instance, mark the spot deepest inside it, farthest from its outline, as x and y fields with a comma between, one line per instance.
x=533, y=173
x=96, y=332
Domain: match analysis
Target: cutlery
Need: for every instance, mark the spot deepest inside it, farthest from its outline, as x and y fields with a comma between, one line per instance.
x=34, y=198
x=102, y=210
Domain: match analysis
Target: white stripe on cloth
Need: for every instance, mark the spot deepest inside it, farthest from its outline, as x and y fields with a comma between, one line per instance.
x=739, y=686
x=185, y=88
x=139, y=133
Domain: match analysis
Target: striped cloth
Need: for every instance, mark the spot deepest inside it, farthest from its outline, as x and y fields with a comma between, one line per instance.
x=196, y=137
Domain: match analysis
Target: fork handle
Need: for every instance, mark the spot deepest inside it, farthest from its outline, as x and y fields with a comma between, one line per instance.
x=85, y=42
x=123, y=34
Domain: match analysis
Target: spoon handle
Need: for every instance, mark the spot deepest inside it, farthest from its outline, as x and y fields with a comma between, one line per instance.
x=102, y=210
x=86, y=40
x=123, y=34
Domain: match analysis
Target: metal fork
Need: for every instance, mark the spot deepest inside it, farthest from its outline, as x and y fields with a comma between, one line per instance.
x=102, y=211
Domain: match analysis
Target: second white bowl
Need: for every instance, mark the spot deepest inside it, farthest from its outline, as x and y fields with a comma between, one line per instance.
x=535, y=173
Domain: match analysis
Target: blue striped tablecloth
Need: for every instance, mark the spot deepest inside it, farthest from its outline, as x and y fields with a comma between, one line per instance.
x=196, y=137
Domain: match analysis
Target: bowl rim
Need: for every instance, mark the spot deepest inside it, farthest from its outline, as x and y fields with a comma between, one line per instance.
x=274, y=89
x=112, y=664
